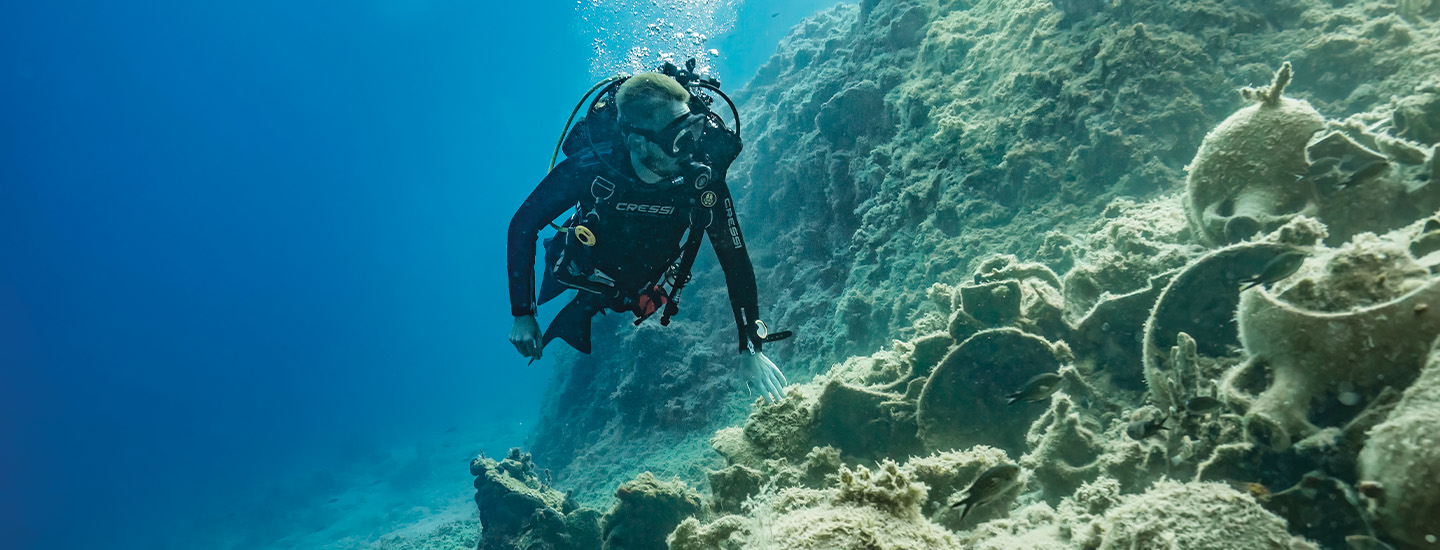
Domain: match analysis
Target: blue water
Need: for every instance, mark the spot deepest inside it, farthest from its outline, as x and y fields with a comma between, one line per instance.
x=244, y=242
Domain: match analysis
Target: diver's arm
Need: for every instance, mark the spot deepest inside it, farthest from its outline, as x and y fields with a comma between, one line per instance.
x=729, y=246
x=758, y=371
x=560, y=190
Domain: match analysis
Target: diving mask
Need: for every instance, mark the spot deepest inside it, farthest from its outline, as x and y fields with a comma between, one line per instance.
x=680, y=138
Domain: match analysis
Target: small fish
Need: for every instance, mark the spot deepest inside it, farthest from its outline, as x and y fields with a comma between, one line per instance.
x=774, y=15
x=1372, y=490
x=1037, y=388
x=1258, y=490
x=1141, y=429
x=1321, y=167
x=452, y=429
x=1364, y=542
x=1203, y=405
x=1364, y=172
x=988, y=487
x=334, y=500
x=1279, y=267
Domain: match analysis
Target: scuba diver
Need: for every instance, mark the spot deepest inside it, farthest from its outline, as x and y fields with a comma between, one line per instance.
x=645, y=172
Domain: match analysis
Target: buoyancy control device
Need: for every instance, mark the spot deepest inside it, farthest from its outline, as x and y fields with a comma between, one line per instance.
x=568, y=253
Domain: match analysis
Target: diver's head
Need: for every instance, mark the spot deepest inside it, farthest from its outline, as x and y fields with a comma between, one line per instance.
x=658, y=127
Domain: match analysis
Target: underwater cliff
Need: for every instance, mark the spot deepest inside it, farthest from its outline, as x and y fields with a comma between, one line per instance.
x=1196, y=240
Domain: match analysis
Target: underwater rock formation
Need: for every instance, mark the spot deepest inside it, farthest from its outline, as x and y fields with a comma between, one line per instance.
x=646, y=510
x=519, y=511
x=891, y=506
x=1023, y=173
x=1193, y=516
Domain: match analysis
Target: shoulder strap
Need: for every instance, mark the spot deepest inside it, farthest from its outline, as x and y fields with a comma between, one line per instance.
x=688, y=252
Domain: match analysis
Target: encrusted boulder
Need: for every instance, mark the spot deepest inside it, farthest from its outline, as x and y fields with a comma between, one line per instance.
x=860, y=509
x=519, y=511
x=1192, y=516
x=646, y=511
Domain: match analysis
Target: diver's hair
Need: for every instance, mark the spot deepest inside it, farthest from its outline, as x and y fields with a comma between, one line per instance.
x=644, y=100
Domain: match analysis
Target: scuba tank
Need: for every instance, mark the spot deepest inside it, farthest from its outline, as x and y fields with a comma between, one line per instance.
x=601, y=123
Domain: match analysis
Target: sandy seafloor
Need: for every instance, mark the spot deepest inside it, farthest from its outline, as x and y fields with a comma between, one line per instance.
x=419, y=492
x=946, y=198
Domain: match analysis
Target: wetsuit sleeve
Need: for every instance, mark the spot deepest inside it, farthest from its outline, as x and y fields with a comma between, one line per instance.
x=559, y=191
x=729, y=246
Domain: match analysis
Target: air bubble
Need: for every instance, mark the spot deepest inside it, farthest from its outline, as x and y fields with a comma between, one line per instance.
x=628, y=33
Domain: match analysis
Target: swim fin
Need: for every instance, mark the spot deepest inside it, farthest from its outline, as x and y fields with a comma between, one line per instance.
x=572, y=324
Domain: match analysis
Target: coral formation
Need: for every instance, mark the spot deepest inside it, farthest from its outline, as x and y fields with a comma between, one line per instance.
x=731, y=486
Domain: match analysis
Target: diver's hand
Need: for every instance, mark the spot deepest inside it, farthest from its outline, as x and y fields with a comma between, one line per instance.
x=760, y=373
x=525, y=334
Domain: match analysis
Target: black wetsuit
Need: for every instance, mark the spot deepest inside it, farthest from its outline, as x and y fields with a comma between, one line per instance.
x=639, y=228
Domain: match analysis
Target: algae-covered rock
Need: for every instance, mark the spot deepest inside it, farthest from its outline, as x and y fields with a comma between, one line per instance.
x=1192, y=516
x=889, y=506
x=949, y=475
x=1417, y=117
x=1034, y=527
x=647, y=511
x=731, y=486
x=1403, y=457
x=783, y=428
x=1066, y=450
x=519, y=511
x=1124, y=250
x=865, y=423
x=726, y=533
x=864, y=509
